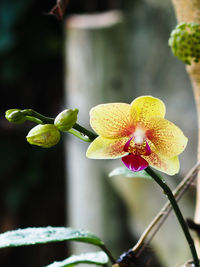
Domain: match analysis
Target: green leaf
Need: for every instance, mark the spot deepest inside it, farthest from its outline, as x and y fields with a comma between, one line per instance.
x=32, y=236
x=98, y=258
x=123, y=171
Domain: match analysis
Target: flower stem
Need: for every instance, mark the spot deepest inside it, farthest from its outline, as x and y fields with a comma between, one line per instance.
x=34, y=119
x=84, y=131
x=79, y=135
x=159, y=219
x=32, y=113
x=159, y=180
x=110, y=256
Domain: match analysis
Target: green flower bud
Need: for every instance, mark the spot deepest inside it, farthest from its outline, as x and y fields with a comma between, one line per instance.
x=66, y=119
x=185, y=42
x=46, y=135
x=15, y=116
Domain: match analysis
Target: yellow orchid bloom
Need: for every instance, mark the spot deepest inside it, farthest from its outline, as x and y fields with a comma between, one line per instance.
x=137, y=133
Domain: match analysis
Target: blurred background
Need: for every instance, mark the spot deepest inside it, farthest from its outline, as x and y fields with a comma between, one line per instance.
x=38, y=67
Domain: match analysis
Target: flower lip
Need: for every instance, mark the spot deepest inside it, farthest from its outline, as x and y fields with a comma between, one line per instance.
x=135, y=163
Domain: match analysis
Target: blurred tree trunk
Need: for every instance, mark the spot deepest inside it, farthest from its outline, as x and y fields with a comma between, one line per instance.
x=96, y=72
x=189, y=11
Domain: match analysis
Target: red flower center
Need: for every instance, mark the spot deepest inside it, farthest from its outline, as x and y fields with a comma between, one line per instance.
x=133, y=161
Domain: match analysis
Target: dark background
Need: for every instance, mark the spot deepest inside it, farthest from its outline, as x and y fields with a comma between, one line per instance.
x=32, y=178
x=32, y=191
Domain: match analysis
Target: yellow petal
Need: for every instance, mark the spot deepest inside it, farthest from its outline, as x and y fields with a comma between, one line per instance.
x=104, y=148
x=147, y=107
x=112, y=120
x=169, y=166
x=168, y=139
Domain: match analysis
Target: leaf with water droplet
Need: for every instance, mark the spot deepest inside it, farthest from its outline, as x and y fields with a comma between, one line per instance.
x=123, y=171
x=98, y=258
x=32, y=236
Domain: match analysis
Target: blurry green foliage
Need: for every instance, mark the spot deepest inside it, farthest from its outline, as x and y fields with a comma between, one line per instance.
x=11, y=13
x=27, y=37
x=185, y=42
x=30, y=76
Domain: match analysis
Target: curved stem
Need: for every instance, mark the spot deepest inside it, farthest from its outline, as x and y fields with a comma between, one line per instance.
x=159, y=180
x=159, y=219
x=34, y=119
x=112, y=259
x=83, y=130
x=33, y=113
x=79, y=135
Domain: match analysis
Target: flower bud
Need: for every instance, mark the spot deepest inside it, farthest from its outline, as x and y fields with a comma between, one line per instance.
x=15, y=116
x=66, y=119
x=185, y=42
x=46, y=135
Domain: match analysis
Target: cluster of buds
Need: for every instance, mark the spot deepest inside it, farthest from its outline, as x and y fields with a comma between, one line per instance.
x=185, y=42
x=45, y=135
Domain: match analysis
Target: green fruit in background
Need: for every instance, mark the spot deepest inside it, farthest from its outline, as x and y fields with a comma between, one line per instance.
x=185, y=42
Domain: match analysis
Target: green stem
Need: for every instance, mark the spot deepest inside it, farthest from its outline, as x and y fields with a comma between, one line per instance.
x=34, y=119
x=159, y=180
x=83, y=130
x=110, y=256
x=34, y=114
x=79, y=135
x=159, y=219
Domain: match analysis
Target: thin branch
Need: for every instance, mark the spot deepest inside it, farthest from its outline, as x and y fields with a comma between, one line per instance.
x=159, y=180
x=81, y=132
x=160, y=218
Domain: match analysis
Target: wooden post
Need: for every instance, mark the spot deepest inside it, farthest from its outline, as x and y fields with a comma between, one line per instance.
x=189, y=11
x=96, y=72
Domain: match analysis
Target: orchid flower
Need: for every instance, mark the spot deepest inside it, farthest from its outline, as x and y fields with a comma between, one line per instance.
x=137, y=133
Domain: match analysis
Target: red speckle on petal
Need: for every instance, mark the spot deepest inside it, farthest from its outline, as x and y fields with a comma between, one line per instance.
x=149, y=134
